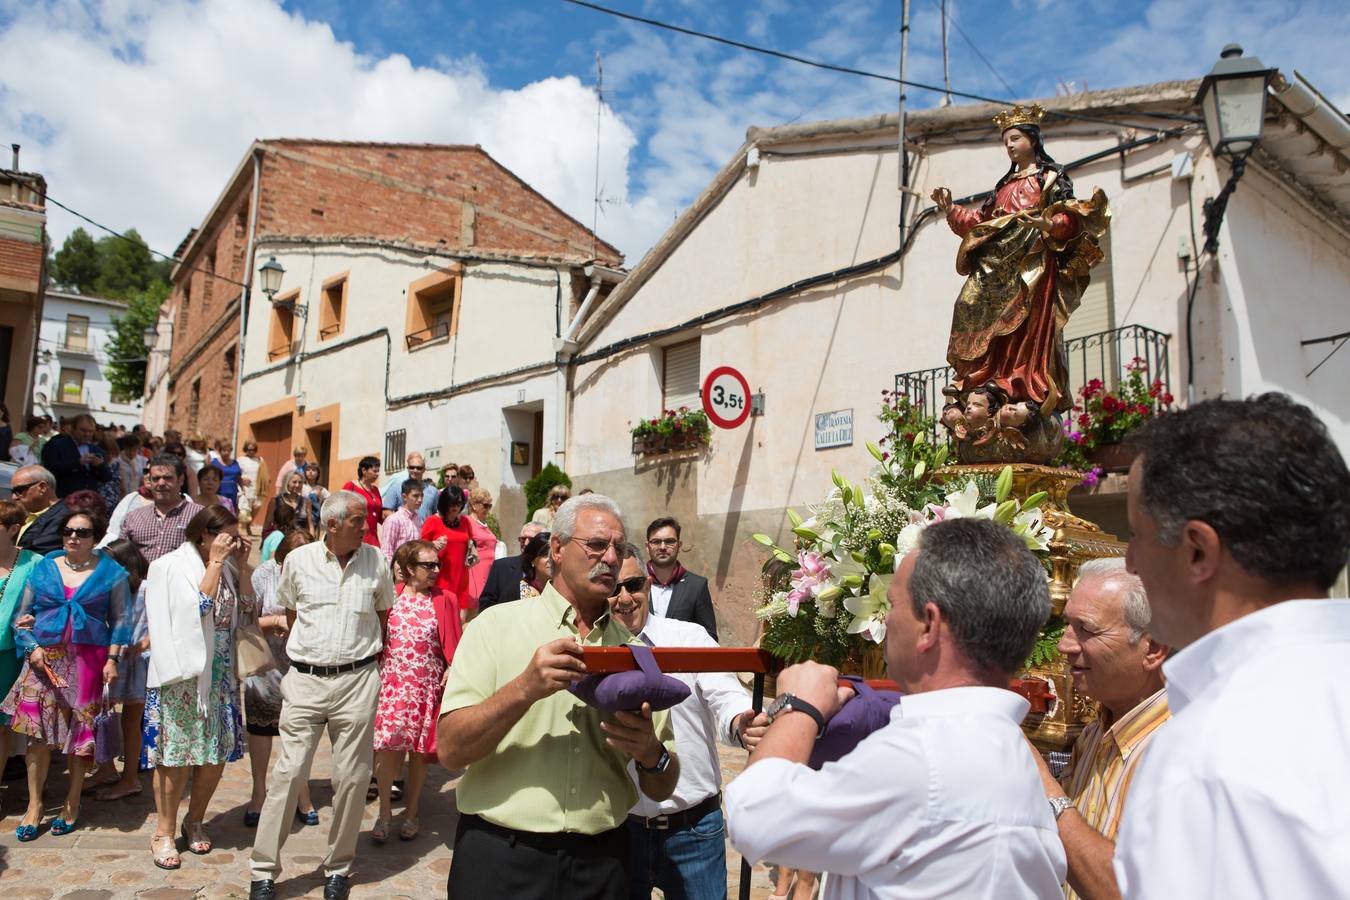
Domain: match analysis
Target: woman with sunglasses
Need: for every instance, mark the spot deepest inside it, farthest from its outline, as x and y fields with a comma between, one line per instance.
x=534, y=566
x=422, y=634
x=15, y=566
x=81, y=606
x=480, y=509
x=195, y=596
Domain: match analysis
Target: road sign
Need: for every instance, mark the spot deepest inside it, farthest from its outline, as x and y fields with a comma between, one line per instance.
x=726, y=397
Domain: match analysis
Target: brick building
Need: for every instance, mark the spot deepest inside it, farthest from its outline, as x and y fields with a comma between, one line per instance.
x=23, y=254
x=343, y=218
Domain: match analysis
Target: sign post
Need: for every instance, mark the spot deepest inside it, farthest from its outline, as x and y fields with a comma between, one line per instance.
x=726, y=397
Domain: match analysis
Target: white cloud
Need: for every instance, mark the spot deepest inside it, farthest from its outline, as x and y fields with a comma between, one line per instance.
x=138, y=118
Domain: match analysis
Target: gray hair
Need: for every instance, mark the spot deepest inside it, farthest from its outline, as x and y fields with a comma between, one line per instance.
x=339, y=505
x=565, y=521
x=1133, y=599
x=42, y=474
x=632, y=551
x=988, y=586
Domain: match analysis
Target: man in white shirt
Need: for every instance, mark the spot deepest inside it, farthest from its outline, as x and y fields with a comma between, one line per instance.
x=337, y=593
x=678, y=843
x=946, y=800
x=1240, y=511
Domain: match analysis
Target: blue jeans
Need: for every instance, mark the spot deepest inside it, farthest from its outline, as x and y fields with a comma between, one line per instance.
x=689, y=864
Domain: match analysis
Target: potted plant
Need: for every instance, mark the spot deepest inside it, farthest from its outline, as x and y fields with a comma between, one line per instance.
x=674, y=429
x=1102, y=419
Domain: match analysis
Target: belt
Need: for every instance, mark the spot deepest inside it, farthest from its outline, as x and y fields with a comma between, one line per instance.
x=550, y=842
x=326, y=671
x=678, y=821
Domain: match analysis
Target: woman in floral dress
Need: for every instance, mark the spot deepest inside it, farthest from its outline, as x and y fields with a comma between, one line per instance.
x=194, y=598
x=82, y=618
x=423, y=631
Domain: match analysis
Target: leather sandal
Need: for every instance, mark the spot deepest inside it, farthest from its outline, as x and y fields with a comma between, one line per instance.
x=380, y=832
x=164, y=852
x=195, y=835
x=410, y=829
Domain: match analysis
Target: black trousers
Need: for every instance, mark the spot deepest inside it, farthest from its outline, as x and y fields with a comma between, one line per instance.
x=491, y=862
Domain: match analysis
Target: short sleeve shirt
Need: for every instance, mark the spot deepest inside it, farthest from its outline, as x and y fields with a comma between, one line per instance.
x=155, y=533
x=553, y=771
x=335, y=607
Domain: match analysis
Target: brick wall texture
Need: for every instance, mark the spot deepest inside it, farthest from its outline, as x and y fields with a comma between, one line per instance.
x=21, y=261
x=455, y=197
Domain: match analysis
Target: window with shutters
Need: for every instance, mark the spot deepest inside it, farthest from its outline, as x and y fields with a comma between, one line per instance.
x=679, y=376
x=332, y=306
x=77, y=332
x=1095, y=315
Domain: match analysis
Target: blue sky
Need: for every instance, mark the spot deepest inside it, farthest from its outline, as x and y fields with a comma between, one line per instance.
x=169, y=94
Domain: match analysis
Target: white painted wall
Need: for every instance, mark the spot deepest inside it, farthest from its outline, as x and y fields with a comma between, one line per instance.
x=54, y=354
x=507, y=321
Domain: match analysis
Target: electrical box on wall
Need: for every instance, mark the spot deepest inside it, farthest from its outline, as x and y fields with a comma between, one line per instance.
x=433, y=456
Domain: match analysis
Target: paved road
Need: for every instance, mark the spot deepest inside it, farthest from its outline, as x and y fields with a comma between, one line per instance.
x=108, y=856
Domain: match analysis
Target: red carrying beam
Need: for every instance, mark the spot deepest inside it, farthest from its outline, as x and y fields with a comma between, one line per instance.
x=751, y=659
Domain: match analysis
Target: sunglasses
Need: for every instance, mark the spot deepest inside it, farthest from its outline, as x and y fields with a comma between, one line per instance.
x=80, y=533
x=417, y=468
x=18, y=489
x=429, y=566
x=632, y=585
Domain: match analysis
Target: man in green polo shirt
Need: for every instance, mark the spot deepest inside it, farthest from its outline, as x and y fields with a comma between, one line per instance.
x=544, y=802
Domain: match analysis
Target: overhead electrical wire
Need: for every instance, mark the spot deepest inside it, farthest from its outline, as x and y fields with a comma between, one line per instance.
x=847, y=70
x=970, y=43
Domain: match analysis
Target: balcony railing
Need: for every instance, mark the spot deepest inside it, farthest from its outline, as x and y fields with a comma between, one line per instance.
x=439, y=331
x=1103, y=355
x=287, y=349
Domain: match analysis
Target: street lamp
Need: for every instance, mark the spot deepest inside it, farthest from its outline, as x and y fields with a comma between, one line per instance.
x=1233, y=99
x=151, y=337
x=269, y=273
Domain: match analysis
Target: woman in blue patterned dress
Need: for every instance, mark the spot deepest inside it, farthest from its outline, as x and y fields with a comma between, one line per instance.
x=194, y=598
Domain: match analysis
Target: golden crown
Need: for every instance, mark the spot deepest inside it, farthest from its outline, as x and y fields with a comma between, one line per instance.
x=1019, y=115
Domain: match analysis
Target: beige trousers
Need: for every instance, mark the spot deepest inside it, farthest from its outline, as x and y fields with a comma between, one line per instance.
x=345, y=705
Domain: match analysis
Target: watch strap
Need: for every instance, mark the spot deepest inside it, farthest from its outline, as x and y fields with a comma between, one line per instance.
x=793, y=702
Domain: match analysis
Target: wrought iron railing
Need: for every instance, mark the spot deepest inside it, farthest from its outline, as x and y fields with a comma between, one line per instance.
x=434, y=333
x=395, y=449
x=1103, y=355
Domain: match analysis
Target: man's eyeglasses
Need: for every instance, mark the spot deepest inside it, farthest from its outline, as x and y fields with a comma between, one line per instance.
x=80, y=533
x=18, y=489
x=598, y=546
x=417, y=468
x=663, y=542
x=632, y=585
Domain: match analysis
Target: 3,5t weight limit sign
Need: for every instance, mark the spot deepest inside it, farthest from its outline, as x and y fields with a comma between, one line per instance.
x=726, y=397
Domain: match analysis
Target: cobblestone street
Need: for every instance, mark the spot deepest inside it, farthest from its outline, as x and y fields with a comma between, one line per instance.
x=108, y=856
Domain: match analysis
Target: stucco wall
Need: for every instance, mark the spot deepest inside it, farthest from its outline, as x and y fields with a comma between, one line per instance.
x=97, y=396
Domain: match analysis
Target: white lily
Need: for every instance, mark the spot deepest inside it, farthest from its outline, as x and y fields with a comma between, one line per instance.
x=1031, y=527
x=870, y=610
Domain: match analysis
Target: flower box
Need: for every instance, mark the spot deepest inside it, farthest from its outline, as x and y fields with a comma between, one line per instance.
x=654, y=444
x=675, y=430
x=1114, y=457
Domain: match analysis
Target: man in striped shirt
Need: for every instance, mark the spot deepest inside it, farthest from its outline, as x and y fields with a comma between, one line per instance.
x=161, y=526
x=1114, y=661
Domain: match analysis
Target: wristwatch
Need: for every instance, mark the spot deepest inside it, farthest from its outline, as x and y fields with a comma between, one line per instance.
x=662, y=763
x=1059, y=804
x=793, y=703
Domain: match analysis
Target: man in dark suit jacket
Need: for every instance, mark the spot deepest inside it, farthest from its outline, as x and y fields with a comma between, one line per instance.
x=76, y=469
x=676, y=593
x=503, y=580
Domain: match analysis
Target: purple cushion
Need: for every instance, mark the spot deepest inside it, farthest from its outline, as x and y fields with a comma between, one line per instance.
x=868, y=711
x=629, y=690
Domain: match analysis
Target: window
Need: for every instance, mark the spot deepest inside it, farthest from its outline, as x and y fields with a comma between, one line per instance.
x=183, y=307
x=209, y=278
x=194, y=403
x=72, y=385
x=395, y=449
x=679, y=376
x=332, y=306
x=1095, y=314
x=230, y=362
x=433, y=307
x=77, y=332
x=281, y=333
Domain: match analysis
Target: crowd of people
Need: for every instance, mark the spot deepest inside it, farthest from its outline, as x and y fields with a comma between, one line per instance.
x=395, y=623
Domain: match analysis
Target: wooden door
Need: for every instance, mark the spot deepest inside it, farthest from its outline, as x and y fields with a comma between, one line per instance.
x=274, y=442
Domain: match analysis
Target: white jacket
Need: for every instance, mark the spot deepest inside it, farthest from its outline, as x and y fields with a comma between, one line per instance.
x=182, y=638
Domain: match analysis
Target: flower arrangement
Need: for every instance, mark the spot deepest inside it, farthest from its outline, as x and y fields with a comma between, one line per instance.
x=850, y=546
x=674, y=429
x=1102, y=417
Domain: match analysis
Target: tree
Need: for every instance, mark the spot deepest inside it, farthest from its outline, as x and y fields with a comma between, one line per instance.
x=77, y=265
x=127, y=355
x=125, y=266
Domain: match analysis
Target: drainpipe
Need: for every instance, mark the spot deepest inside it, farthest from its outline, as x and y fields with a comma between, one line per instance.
x=244, y=302
x=566, y=348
